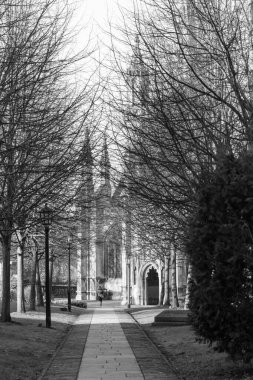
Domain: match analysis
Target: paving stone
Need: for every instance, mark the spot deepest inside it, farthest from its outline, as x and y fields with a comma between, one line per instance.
x=152, y=363
x=108, y=344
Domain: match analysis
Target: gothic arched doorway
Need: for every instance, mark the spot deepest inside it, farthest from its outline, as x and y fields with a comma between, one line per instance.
x=152, y=287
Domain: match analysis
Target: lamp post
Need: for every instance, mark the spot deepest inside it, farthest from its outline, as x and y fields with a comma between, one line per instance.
x=69, y=279
x=129, y=279
x=46, y=215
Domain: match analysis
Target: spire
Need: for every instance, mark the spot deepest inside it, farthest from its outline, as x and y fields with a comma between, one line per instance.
x=137, y=56
x=105, y=164
x=136, y=61
x=86, y=183
x=87, y=155
x=138, y=74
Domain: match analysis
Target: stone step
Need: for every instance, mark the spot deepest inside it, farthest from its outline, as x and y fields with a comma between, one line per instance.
x=172, y=318
x=168, y=323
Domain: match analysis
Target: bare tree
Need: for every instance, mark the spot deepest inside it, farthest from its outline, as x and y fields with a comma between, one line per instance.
x=187, y=98
x=42, y=114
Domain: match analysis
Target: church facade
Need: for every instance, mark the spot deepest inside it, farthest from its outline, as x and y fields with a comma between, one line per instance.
x=107, y=255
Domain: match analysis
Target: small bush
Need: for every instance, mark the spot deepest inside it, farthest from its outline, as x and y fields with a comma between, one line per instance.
x=82, y=304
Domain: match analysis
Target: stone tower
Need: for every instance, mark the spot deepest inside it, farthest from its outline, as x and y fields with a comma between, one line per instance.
x=108, y=230
x=99, y=260
x=86, y=287
x=103, y=204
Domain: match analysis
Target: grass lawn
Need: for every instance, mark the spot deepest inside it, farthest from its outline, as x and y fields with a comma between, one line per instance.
x=26, y=345
x=190, y=360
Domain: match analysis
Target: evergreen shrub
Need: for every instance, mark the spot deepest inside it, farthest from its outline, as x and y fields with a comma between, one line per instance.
x=220, y=248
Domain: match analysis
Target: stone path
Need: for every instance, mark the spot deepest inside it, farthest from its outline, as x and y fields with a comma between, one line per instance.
x=107, y=354
x=106, y=343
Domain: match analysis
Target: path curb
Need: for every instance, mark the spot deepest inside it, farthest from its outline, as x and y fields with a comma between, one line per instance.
x=163, y=356
x=61, y=344
x=65, y=363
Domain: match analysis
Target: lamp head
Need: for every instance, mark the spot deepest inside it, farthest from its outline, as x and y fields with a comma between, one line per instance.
x=46, y=216
x=69, y=238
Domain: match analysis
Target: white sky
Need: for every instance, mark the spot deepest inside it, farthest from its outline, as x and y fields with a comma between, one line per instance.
x=93, y=18
x=96, y=15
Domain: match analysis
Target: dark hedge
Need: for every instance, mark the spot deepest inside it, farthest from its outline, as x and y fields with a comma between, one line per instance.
x=220, y=248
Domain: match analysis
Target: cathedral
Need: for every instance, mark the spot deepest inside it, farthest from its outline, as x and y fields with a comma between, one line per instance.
x=106, y=254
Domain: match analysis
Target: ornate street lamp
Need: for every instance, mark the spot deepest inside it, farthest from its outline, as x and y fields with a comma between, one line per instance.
x=69, y=279
x=46, y=217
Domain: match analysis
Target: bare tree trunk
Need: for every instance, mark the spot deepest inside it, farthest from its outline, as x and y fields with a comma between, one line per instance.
x=23, y=289
x=186, y=301
x=161, y=295
x=21, y=235
x=6, y=247
x=32, y=300
x=250, y=81
x=39, y=292
x=1, y=278
x=174, y=277
x=166, y=298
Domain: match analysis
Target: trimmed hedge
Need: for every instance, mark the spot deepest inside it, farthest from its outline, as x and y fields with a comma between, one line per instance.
x=82, y=304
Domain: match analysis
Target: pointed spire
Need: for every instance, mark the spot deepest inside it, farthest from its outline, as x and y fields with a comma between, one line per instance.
x=105, y=163
x=137, y=56
x=136, y=61
x=86, y=183
x=87, y=155
x=87, y=159
x=138, y=74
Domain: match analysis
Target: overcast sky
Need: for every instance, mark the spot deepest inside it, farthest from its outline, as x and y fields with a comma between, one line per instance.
x=97, y=15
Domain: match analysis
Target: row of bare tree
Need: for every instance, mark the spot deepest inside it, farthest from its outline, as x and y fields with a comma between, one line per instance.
x=43, y=113
x=183, y=98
